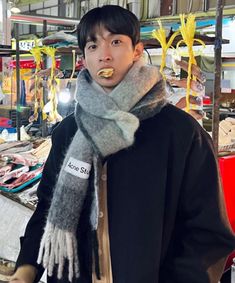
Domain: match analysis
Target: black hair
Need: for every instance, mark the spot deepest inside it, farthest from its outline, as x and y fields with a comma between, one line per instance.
x=115, y=19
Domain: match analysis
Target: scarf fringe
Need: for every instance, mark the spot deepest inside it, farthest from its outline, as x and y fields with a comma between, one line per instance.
x=106, y=125
x=56, y=246
x=95, y=202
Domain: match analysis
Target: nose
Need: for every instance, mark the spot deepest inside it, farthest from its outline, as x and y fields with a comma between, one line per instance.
x=105, y=55
x=107, y=58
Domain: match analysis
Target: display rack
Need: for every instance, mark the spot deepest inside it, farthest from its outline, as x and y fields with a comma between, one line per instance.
x=148, y=44
x=7, y=51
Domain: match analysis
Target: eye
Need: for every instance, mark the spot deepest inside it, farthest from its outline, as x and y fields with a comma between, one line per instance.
x=116, y=42
x=91, y=47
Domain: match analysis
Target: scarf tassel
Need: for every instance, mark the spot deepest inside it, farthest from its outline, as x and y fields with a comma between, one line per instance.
x=56, y=246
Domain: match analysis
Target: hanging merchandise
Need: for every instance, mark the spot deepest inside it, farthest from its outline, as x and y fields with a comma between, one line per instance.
x=53, y=81
x=193, y=88
x=187, y=30
x=37, y=86
x=160, y=35
x=49, y=111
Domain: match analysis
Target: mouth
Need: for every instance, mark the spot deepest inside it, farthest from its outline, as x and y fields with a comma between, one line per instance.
x=105, y=73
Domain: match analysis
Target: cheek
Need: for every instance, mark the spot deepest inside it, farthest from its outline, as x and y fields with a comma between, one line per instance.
x=88, y=64
x=127, y=62
x=88, y=59
x=127, y=56
x=84, y=63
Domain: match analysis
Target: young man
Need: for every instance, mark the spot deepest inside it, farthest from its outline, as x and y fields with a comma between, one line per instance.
x=130, y=192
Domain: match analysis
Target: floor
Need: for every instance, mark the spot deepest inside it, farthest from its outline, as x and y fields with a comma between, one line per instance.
x=6, y=270
x=226, y=277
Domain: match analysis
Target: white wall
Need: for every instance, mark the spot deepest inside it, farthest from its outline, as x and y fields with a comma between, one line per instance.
x=228, y=33
x=5, y=31
x=14, y=218
x=1, y=23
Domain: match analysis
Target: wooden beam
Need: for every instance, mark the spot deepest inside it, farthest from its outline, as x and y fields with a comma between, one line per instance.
x=199, y=15
x=217, y=80
x=18, y=82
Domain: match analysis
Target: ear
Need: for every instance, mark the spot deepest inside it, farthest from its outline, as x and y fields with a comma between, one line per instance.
x=138, y=51
x=84, y=61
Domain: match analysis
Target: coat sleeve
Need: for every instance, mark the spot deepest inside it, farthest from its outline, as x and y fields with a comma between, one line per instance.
x=203, y=237
x=30, y=242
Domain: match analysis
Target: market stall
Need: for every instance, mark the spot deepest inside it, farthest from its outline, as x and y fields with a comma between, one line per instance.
x=22, y=162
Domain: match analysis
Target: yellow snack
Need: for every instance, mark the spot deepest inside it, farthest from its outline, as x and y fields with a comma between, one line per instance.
x=231, y=120
x=188, y=30
x=160, y=35
x=105, y=73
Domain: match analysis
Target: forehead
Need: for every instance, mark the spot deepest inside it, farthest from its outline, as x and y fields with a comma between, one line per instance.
x=100, y=32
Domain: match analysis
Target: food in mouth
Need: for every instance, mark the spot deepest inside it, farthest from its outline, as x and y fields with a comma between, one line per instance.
x=105, y=73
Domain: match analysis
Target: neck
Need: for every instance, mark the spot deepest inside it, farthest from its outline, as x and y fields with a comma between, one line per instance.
x=101, y=88
x=107, y=89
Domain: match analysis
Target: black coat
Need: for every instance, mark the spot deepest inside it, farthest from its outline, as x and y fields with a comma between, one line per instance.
x=167, y=221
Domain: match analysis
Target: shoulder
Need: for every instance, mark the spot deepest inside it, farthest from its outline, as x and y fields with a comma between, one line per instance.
x=178, y=118
x=180, y=126
x=66, y=127
x=64, y=131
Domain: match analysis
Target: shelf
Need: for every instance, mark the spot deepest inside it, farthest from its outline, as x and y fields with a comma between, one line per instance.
x=6, y=51
x=153, y=43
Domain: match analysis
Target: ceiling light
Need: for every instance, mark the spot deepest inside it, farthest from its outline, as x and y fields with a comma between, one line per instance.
x=15, y=10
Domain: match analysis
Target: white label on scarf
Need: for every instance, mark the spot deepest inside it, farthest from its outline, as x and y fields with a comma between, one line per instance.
x=78, y=168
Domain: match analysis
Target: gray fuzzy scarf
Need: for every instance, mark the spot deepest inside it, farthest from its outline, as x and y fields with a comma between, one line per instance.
x=106, y=124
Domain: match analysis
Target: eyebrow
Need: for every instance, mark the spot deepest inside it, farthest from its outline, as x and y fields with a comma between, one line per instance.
x=89, y=39
x=94, y=38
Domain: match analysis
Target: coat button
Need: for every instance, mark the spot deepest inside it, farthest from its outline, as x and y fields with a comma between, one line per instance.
x=104, y=177
x=101, y=214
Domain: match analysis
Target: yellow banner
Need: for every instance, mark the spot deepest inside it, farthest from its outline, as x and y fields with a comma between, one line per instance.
x=25, y=45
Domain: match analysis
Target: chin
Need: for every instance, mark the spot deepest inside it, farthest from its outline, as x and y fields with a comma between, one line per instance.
x=109, y=83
